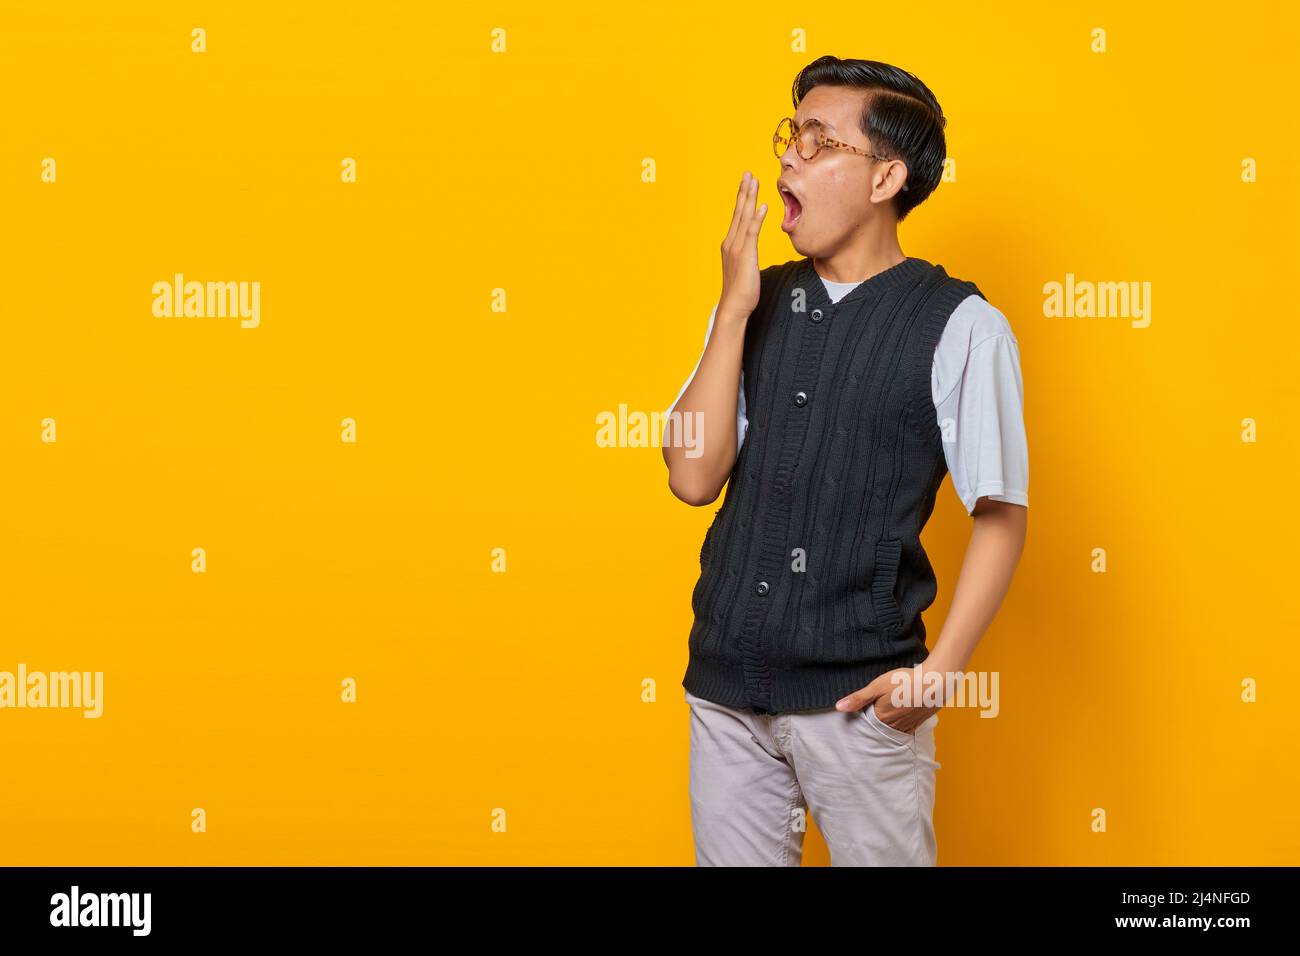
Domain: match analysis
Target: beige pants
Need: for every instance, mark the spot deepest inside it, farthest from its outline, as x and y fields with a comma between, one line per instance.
x=755, y=777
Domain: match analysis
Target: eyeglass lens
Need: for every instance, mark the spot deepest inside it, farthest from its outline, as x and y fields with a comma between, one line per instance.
x=808, y=144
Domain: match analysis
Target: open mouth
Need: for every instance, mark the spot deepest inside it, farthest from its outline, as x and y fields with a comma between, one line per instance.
x=793, y=207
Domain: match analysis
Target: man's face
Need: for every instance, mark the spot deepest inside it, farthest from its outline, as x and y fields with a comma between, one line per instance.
x=832, y=191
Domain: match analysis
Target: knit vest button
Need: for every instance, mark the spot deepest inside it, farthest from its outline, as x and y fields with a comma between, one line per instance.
x=801, y=399
x=760, y=587
x=816, y=315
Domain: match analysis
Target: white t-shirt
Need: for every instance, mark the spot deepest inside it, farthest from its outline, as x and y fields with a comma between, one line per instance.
x=976, y=384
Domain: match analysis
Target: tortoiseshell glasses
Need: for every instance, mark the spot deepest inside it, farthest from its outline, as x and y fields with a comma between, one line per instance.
x=809, y=138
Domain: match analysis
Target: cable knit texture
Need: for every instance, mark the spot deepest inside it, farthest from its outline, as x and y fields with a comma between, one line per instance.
x=812, y=576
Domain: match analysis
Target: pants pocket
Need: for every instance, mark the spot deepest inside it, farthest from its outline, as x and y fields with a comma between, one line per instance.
x=895, y=736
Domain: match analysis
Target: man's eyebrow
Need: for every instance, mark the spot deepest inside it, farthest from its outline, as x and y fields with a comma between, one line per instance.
x=829, y=126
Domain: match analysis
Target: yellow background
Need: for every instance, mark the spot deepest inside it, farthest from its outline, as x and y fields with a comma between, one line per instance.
x=522, y=171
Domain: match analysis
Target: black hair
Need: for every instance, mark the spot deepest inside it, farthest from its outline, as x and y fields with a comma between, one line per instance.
x=901, y=119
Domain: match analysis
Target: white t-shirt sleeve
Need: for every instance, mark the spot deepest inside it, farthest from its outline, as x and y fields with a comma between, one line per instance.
x=979, y=395
x=742, y=422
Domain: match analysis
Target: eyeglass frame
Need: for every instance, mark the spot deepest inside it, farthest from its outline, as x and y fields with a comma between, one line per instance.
x=822, y=140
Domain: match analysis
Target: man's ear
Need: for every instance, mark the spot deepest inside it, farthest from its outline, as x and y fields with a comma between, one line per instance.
x=889, y=182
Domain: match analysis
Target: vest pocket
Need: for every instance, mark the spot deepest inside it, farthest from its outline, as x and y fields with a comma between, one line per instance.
x=880, y=592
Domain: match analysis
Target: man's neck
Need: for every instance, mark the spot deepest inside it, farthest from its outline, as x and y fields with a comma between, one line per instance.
x=861, y=260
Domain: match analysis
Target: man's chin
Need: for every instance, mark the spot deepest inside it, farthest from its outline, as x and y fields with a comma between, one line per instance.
x=796, y=238
x=800, y=244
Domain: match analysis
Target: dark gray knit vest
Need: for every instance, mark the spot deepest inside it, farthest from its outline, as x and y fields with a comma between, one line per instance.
x=812, y=575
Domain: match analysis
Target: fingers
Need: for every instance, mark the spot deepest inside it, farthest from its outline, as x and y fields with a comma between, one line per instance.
x=740, y=206
x=756, y=223
x=859, y=699
x=744, y=211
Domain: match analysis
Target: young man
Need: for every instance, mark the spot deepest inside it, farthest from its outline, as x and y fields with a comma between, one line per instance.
x=857, y=377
